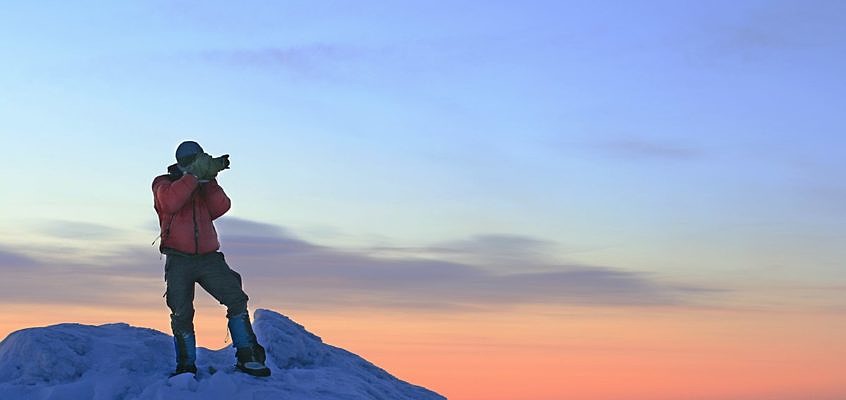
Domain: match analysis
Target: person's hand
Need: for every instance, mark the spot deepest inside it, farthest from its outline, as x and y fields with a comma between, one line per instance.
x=203, y=167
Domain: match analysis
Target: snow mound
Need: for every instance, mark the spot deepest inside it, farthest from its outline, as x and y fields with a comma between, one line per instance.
x=118, y=361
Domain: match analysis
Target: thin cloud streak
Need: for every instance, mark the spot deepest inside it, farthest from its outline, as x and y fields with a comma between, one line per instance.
x=638, y=149
x=315, y=61
x=12, y=260
x=77, y=230
x=778, y=27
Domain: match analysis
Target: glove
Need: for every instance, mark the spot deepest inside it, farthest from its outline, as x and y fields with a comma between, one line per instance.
x=205, y=168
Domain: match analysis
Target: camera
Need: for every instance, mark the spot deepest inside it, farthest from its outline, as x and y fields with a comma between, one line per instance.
x=220, y=163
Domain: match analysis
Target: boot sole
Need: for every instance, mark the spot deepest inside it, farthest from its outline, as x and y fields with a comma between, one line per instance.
x=264, y=372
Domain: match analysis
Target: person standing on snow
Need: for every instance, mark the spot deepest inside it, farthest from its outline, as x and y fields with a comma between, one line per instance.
x=187, y=200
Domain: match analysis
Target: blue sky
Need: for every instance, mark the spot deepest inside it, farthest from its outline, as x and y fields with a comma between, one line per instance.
x=698, y=142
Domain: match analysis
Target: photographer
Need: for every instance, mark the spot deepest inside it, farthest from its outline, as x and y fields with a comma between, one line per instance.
x=187, y=200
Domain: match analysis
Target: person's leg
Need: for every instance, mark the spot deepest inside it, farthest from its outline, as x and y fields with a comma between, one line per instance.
x=224, y=284
x=180, y=299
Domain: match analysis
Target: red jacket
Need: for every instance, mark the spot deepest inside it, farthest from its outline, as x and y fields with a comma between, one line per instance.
x=186, y=210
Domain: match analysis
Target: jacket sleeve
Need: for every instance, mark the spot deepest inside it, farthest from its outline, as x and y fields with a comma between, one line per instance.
x=216, y=199
x=172, y=196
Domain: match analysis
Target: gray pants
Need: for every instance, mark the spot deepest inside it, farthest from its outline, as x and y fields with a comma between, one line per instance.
x=213, y=275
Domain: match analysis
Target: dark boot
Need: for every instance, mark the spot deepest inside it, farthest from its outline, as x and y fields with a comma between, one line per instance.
x=186, y=353
x=251, y=360
x=249, y=354
x=181, y=369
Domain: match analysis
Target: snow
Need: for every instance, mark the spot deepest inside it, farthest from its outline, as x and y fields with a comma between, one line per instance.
x=118, y=361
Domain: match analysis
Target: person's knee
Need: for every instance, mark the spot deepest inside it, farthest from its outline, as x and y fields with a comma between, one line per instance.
x=182, y=321
x=181, y=306
x=236, y=307
x=235, y=300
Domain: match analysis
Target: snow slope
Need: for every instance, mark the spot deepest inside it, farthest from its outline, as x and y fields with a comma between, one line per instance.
x=118, y=361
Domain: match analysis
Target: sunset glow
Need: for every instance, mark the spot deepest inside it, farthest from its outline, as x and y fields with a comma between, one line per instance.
x=495, y=200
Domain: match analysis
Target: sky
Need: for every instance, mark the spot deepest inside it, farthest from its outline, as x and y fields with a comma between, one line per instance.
x=543, y=200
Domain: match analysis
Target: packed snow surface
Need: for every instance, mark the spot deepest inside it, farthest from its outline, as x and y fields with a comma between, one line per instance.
x=118, y=361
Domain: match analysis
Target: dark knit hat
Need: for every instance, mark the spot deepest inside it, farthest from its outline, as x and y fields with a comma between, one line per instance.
x=186, y=152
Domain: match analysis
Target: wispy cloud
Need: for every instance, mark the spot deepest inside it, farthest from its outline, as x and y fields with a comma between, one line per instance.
x=9, y=259
x=315, y=61
x=773, y=29
x=77, y=230
x=73, y=283
x=497, y=244
x=279, y=267
x=490, y=252
x=644, y=149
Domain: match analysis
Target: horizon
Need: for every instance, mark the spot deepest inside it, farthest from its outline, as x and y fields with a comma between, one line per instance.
x=636, y=198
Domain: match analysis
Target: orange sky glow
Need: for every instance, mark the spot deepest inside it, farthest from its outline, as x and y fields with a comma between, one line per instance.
x=546, y=353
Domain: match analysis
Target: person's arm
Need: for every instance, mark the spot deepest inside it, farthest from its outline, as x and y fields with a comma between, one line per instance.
x=216, y=199
x=172, y=196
